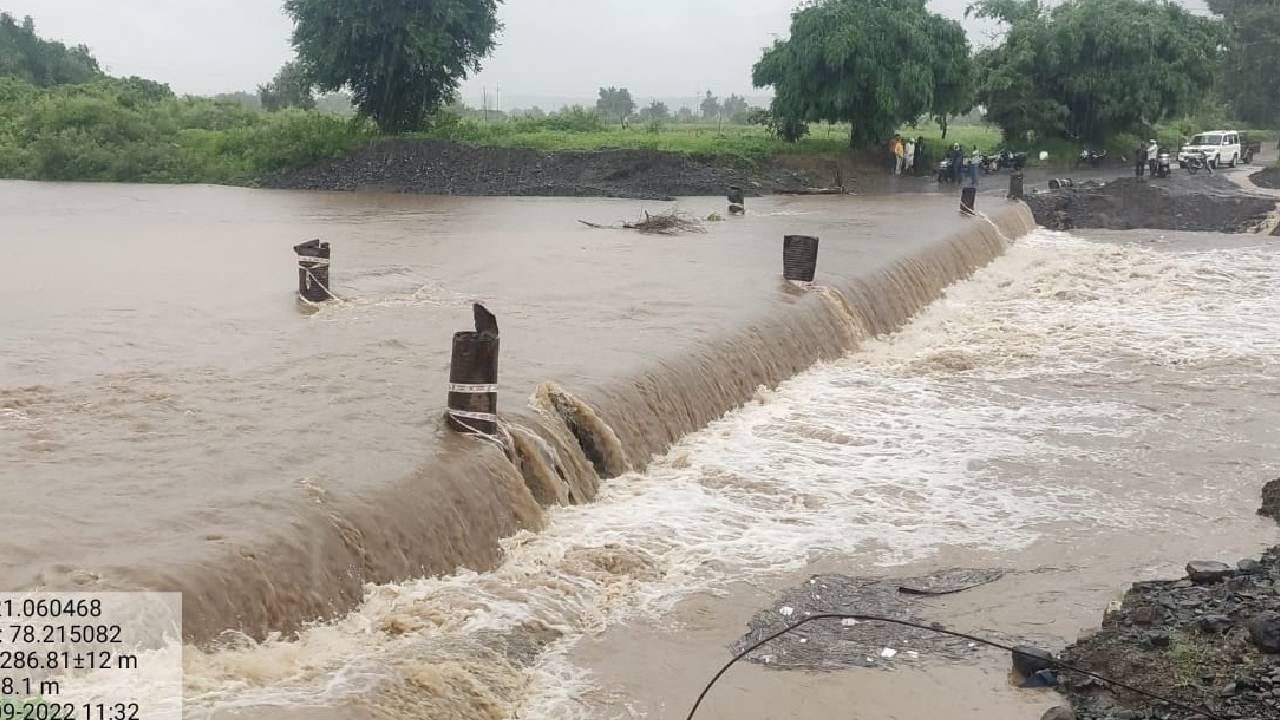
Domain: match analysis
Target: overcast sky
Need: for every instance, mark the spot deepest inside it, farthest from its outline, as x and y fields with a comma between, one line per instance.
x=548, y=48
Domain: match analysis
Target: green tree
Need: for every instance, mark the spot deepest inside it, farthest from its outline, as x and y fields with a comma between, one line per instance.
x=1250, y=81
x=289, y=88
x=875, y=64
x=44, y=63
x=656, y=112
x=615, y=104
x=1091, y=69
x=710, y=107
x=736, y=109
x=401, y=59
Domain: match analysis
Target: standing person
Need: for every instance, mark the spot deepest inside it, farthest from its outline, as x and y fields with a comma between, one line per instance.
x=956, y=160
x=909, y=157
x=898, y=152
x=975, y=163
x=921, y=161
x=1153, y=155
x=1140, y=157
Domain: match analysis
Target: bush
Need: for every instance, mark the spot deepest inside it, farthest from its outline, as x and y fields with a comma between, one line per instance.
x=135, y=130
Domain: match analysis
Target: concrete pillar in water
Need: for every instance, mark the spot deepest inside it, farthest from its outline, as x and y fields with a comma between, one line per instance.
x=968, y=200
x=313, y=270
x=799, y=257
x=473, y=377
x=1016, y=186
x=1059, y=183
x=737, y=200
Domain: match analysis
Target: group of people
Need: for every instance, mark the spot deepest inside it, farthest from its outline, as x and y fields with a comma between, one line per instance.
x=1148, y=156
x=908, y=156
x=958, y=168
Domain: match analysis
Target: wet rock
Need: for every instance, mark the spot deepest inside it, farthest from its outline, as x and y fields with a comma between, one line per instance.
x=1029, y=660
x=1204, y=572
x=1271, y=500
x=1249, y=566
x=1041, y=679
x=1059, y=713
x=1215, y=623
x=1145, y=615
x=1264, y=630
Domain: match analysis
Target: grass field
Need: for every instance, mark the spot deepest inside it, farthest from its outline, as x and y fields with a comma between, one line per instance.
x=750, y=143
x=753, y=143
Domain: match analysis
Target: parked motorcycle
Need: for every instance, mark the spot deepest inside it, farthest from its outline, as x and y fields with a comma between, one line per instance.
x=1092, y=158
x=944, y=171
x=1197, y=161
x=1164, y=164
x=1005, y=159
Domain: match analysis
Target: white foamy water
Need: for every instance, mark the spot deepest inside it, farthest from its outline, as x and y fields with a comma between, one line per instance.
x=1014, y=402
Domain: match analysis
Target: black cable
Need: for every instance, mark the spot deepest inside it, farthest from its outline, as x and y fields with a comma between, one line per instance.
x=873, y=618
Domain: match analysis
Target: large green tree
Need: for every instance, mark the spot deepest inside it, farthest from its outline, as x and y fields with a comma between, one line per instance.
x=875, y=64
x=1250, y=81
x=45, y=63
x=401, y=59
x=291, y=87
x=1090, y=69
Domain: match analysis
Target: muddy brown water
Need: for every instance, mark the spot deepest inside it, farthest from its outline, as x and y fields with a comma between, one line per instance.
x=1083, y=412
x=162, y=391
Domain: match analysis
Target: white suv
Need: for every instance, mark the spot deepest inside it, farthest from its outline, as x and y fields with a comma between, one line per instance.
x=1219, y=147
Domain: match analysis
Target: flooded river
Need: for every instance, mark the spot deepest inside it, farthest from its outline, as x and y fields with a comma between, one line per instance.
x=1082, y=412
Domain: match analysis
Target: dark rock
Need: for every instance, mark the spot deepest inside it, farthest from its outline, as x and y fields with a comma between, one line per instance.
x=1029, y=660
x=1145, y=615
x=1249, y=566
x=1041, y=679
x=1159, y=639
x=1059, y=713
x=1215, y=623
x=1205, y=204
x=1207, y=571
x=1264, y=630
x=1271, y=500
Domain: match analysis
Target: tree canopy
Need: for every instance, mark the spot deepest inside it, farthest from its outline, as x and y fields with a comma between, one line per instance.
x=44, y=63
x=873, y=63
x=291, y=87
x=1091, y=69
x=401, y=59
x=1250, y=81
x=615, y=104
x=710, y=107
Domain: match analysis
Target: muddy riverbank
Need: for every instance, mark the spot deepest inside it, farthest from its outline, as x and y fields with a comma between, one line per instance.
x=434, y=167
x=1210, y=641
x=1192, y=203
x=1268, y=178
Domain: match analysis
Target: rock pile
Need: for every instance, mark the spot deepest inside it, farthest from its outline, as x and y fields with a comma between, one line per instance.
x=1200, y=203
x=1271, y=500
x=1210, y=640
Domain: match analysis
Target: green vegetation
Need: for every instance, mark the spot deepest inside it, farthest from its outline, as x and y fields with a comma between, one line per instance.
x=402, y=61
x=26, y=57
x=1093, y=69
x=289, y=88
x=614, y=104
x=1109, y=73
x=875, y=64
x=1250, y=81
x=134, y=130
